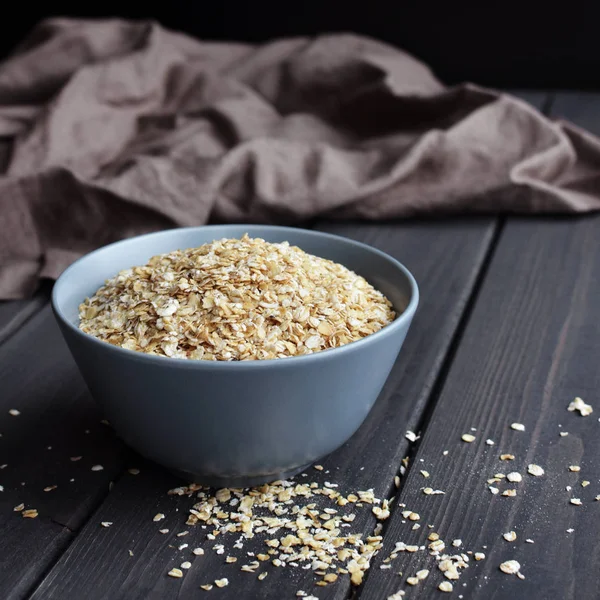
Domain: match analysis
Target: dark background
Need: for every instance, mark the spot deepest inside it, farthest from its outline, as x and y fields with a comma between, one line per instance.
x=504, y=44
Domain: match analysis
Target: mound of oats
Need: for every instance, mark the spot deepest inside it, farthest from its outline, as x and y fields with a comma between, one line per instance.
x=235, y=299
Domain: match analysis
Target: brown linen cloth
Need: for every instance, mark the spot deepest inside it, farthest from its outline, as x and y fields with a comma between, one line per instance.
x=113, y=128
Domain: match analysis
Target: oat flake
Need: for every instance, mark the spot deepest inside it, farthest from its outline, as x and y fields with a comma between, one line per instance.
x=535, y=470
x=579, y=405
x=511, y=567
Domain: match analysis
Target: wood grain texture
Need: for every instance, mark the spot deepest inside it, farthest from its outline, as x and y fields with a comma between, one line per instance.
x=530, y=346
x=445, y=258
x=28, y=547
x=57, y=421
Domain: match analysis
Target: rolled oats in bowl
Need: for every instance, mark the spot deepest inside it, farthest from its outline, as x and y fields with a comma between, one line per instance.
x=235, y=299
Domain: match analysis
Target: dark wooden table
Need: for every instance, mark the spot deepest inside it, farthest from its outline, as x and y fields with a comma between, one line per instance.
x=508, y=331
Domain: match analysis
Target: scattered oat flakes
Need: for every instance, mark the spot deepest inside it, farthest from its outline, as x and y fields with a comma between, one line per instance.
x=97, y=468
x=158, y=517
x=399, y=595
x=570, y=530
x=493, y=489
x=186, y=565
x=511, y=567
x=410, y=515
x=182, y=533
x=517, y=426
x=14, y=412
x=514, y=477
x=411, y=436
x=510, y=493
x=183, y=546
x=507, y=457
x=510, y=536
x=175, y=573
x=457, y=543
x=207, y=587
x=425, y=474
x=479, y=556
x=489, y=442
x=263, y=575
x=563, y=433
x=579, y=405
x=585, y=483
x=198, y=551
x=412, y=580
x=31, y=513
x=445, y=586
x=575, y=501
x=75, y=458
x=106, y=523
x=575, y=468
x=19, y=507
x=163, y=531
x=133, y=471
x=529, y=541
x=467, y=437
x=383, y=512
x=422, y=574
x=431, y=492
x=230, y=559
x=397, y=481
x=50, y=488
x=597, y=498
x=318, y=467
x=535, y=470
x=221, y=583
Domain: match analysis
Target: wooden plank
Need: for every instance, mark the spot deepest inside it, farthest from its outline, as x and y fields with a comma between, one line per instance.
x=446, y=259
x=582, y=108
x=28, y=547
x=57, y=421
x=530, y=347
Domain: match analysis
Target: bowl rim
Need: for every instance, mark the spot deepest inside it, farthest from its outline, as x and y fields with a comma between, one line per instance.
x=404, y=318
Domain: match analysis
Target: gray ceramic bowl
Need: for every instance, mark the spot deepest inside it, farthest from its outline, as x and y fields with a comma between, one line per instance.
x=235, y=423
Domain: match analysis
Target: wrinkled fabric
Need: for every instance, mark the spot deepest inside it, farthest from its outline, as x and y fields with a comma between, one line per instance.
x=111, y=128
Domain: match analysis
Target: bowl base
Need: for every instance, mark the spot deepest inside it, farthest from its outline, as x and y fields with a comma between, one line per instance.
x=237, y=481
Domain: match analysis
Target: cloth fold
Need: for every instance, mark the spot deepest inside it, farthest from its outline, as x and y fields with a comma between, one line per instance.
x=113, y=128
